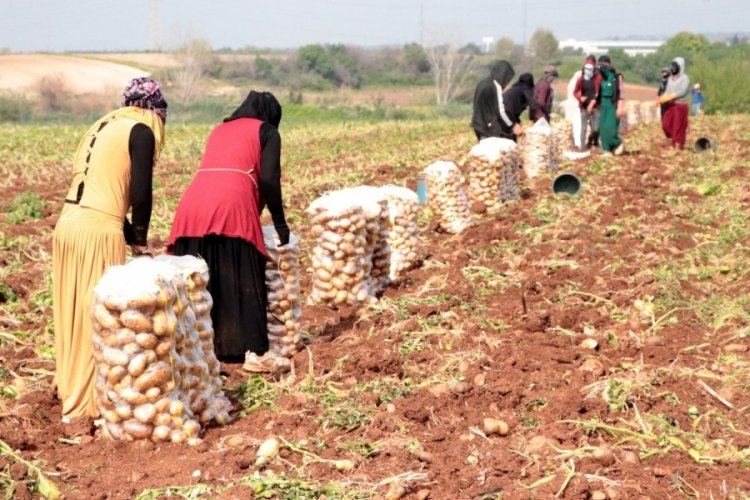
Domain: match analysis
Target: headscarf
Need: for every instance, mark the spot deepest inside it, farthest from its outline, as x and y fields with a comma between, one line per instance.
x=502, y=72
x=144, y=93
x=260, y=105
x=525, y=80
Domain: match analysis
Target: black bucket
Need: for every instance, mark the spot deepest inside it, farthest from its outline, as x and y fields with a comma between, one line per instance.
x=566, y=182
x=704, y=144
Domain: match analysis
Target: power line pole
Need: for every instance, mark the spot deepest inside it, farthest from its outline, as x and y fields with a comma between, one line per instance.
x=154, y=26
x=421, y=24
x=525, y=2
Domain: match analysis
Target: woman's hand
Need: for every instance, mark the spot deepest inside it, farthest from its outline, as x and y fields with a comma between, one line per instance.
x=139, y=250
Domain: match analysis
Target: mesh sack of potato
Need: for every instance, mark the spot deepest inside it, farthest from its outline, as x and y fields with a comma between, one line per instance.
x=374, y=206
x=562, y=140
x=282, y=283
x=632, y=113
x=403, y=233
x=202, y=382
x=493, y=172
x=536, y=153
x=153, y=379
x=339, y=263
x=648, y=112
x=447, y=198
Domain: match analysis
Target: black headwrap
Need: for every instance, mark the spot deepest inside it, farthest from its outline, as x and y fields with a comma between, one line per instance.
x=261, y=105
x=525, y=80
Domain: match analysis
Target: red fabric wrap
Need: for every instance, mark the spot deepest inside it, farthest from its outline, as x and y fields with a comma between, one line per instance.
x=675, y=123
x=223, y=197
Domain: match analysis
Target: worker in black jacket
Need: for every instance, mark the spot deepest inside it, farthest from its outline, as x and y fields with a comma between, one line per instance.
x=489, y=110
x=516, y=99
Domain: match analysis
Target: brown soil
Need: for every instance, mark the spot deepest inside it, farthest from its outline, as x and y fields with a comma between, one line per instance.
x=528, y=373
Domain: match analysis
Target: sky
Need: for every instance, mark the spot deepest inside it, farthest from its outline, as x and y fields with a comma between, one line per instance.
x=111, y=26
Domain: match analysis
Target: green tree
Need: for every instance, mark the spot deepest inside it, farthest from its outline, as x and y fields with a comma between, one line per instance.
x=415, y=59
x=544, y=46
x=506, y=49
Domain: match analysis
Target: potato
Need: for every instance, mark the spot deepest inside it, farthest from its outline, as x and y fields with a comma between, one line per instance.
x=137, y=430
x=115, y=357
x=115, y=374
x=156, y=375
x=146, y=340
x=113, y=430
x=164, y=323
x=119, y=337
x=137, y=365
x=163, y=420
x=123, y=410
x=161, y=433
x=191, y=428
x=133, y=396
x=105, y=318
x=177, y=436
x=136, y=320
x=145, y=413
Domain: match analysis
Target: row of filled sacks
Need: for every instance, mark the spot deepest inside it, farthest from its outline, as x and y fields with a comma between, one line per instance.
x=365, y=238
x=492, y=167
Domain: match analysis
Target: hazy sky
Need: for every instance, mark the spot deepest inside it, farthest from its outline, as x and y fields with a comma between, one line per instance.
x=106, y=25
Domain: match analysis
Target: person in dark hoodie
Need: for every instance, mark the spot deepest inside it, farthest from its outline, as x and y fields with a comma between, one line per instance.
x=516, y=99
x=489, y=108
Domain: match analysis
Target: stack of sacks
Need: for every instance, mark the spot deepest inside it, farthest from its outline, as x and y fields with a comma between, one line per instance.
x=403, y=234
x=156, y=373
x=447, y=198
x=536, y=154
x=374, y=206
x=282, y=283
x=562, y=140
x=339, y=259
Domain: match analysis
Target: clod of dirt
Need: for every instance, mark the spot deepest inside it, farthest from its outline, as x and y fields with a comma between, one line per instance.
x=593, y=366
x=538, y=444
x=655, y=341
x=425, y=456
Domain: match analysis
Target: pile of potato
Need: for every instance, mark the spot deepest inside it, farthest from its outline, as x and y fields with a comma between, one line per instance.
x=339, y=262
x=447, y=198
x=157, y=376
x=536, y=154
x=403, y=233
x=282, y=283
x=562, y=140
x=374, y=206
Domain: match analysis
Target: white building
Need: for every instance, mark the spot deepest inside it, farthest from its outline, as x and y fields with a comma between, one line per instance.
x=597, y=47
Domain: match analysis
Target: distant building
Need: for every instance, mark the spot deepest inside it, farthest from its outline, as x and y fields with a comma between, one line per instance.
x=630, y=47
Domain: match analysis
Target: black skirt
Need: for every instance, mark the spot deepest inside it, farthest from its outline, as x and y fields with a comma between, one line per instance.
x=237, y=284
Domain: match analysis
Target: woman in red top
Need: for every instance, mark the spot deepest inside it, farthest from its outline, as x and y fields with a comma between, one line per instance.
x=218, y=219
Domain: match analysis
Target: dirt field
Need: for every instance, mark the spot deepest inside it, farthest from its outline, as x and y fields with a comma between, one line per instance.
x=492, y=323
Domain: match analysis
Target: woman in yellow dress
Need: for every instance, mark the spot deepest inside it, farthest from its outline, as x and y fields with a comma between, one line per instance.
x=112, y=173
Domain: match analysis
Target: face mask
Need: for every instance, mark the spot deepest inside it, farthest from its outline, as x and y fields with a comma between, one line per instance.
x=588, y=73
x=675, y=68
